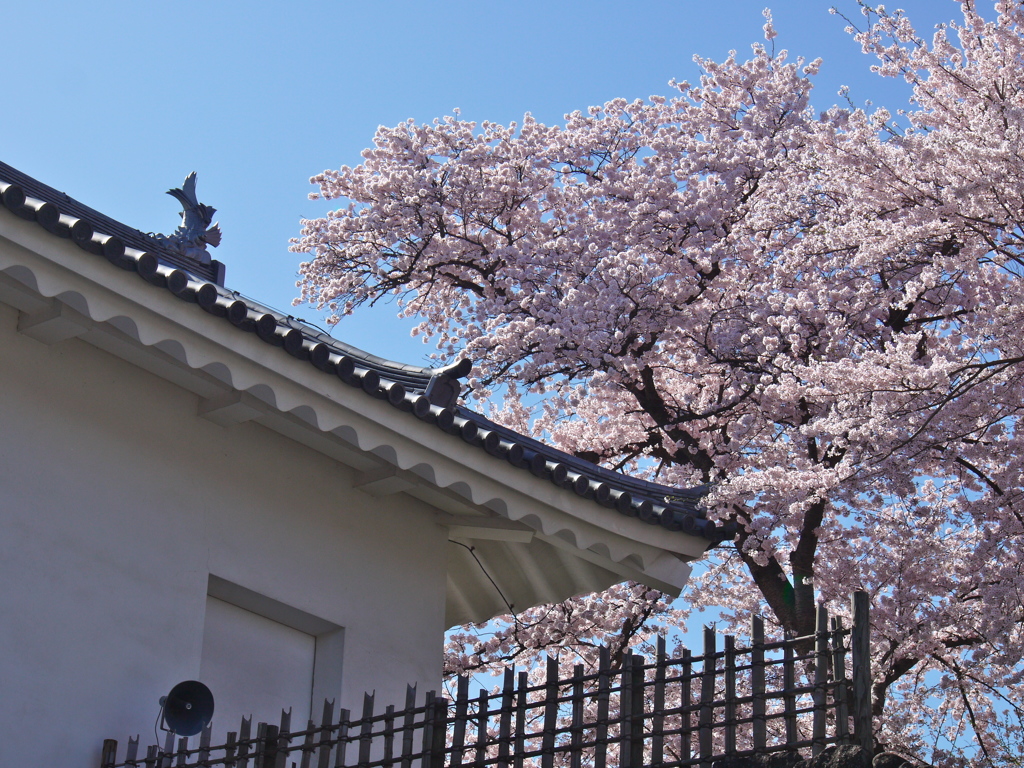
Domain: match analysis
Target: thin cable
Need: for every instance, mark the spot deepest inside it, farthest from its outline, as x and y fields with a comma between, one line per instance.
x=496, y=587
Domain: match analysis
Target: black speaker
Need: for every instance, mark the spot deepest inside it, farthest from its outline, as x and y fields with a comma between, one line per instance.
x=188, y=708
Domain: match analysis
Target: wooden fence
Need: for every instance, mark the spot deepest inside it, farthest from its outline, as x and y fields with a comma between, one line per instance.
x=685, y=711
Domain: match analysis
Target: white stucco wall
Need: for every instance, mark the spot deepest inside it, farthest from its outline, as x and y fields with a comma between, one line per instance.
x=117, y=502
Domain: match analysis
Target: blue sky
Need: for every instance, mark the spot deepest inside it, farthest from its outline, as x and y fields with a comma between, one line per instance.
x=115, y=102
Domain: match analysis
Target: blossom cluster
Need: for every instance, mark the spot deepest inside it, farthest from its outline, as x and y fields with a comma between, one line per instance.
x=819, y=314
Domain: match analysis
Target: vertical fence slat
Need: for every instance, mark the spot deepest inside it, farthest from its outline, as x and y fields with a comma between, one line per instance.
x=788, y=695
x=342, y=748
x=408, y=726
x=758, y=729
x=204, y=744
x=323, y=757
x=626, y=712
x=505, y=721
x=459, y=722
x=307, y=745
x=440, y=728
x=284, y=738
x=636, y=720
x=482, y=718
x=840, y=693
x=658, y=715
x=686, y=698
x=522, y=702
x=820, y=681
x=603, y=703
x=547, y=758
x=707, y=699
x=730, y=695
x=389, y=737
x=366, y=730
x=860, y=647
x=435, y=722
x=229, y=750
x=168, y=754
x=244, y=736
x=132, y=752
x=576, y=722
x=109, y=754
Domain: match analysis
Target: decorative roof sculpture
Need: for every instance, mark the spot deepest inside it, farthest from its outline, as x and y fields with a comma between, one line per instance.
x=196, y=230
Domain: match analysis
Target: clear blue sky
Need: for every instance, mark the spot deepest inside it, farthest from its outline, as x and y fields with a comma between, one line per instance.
x=115, y=102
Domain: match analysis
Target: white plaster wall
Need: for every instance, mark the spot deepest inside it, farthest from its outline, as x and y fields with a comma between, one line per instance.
x=117, y=502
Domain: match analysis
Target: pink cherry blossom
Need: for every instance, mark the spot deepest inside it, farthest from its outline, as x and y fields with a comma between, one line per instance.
x=819, y=314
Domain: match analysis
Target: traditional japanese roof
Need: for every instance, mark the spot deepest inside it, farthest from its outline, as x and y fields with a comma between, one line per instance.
x=537, y=524
x=428, y=394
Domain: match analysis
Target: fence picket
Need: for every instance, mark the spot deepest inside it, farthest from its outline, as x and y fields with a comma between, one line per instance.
x=759, y=728
x=482, y=717
x=658, y=715
x=366, y=730
x=389, y=736
x=522, y=702
x=686, y=718
x=459, y=721
x=108, y=757
x=707, y=699
x=789, y=695
x=323, y=757
x=626, y=713
x=730, y=695
x=860, y=651
x=132, y=752
x=408, y=726
x=576, y=728
x=204, y=745
x=342, y=748
x=229, y=749
x=283, y=739
x=636, y=719
x=505, y=722
x=547, y=758
x=820, y=680
x=244, y=733
x=603, y=704
x=841, y=691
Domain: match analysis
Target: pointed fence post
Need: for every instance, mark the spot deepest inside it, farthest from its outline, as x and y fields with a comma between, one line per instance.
x=366, y=729
x=860, y=647
x=408, y=726
x=323, y=757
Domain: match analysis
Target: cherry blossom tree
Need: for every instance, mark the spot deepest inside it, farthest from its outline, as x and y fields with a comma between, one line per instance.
x=821, y=315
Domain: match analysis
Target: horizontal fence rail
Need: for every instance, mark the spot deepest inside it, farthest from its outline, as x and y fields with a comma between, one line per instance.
x=667, y=711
